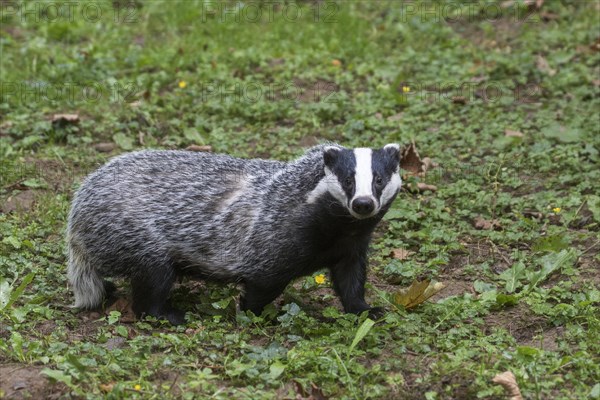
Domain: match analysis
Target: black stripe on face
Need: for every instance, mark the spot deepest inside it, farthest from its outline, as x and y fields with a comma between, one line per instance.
x=342, y=164
x=384, y=164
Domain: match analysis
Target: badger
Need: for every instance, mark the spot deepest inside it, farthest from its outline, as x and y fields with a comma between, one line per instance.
x=155, y=215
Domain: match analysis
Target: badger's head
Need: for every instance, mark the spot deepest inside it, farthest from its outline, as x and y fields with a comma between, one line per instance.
x=363, y=180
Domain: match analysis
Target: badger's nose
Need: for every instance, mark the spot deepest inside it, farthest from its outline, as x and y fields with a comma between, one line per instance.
x=363, y=205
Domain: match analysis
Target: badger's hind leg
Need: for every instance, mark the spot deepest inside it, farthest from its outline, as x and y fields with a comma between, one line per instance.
x=87, y=284
x=150, y=292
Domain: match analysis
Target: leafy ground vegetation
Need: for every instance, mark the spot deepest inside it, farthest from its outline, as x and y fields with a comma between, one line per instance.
x=502, y=96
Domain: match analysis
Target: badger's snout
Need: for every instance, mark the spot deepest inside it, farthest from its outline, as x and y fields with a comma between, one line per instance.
x=363, y=205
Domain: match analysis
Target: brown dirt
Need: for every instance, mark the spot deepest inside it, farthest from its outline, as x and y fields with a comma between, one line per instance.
x=294, y=390
x=308, y=141
x=506, y=29
x=417, y=382
x=45, y=327
x=519, y=321
x=57, y=175
x=20, y=202
x=314, y=92
x=546, y=339
x=476, y=252
x=453, y=288
x=25, y=382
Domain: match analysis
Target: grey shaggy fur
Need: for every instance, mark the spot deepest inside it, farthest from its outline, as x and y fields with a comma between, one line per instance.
x=151, y=216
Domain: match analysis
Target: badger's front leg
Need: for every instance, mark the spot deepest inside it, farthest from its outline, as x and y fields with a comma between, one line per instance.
x=256, y=296
x=349, y=277
x=150, y=292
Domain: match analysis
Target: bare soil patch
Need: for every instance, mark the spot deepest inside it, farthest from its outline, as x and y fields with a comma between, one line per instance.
x=25, y=382
x=20, y=202
x=519, y=321
x=314, y=91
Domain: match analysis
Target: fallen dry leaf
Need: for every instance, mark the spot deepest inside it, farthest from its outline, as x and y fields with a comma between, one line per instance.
x=543, y=66
x=65, y=118
x=401, y=254
x=124, y=307
x=105, y=147
x=395, y=117
x=106, y=387
x=310, y=393
x=484, y=224
x=511, y=133
x=195, y=147
x=276, y=61
x=410, y=160
x=532, y=214
x=5, y=126
x=191, y=331
x=428, y=164
x=412, y=164
x=416, y=293
x=549, y=16
x=419, y=187
x=459, y=100
x=422, y=187
x=508, y=381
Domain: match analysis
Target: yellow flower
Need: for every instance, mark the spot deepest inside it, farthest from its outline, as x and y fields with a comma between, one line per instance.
x=320, y=279
x=556, y=210
x=405, y=89
x=137, y=387
x=182, y=84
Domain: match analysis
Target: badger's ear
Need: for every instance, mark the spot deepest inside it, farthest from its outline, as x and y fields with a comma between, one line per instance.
x=330, y=155
x=393, y=150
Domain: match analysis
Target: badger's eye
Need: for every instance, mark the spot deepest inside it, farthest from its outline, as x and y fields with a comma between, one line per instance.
x=348, y=182
x=379, y=181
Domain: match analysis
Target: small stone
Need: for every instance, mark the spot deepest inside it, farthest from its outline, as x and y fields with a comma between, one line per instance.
x=105, y=147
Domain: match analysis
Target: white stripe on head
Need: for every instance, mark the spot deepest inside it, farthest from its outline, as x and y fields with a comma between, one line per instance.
x=364, y=173
x=329, y=184
x=391, y=189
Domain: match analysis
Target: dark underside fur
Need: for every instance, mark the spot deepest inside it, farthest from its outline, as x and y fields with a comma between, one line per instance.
x=154, y=215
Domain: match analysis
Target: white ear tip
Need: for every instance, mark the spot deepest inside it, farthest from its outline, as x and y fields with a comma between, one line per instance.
x=328, y=148
x=392, y=146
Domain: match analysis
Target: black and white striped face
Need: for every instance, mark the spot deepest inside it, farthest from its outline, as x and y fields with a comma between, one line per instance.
x=363, y=180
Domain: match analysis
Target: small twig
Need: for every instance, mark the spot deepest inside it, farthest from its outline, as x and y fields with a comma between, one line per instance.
x=580, y=207
x=173, y=383
x=15, y=369
x=591, y=247
x=576, y=213
x=499, y=252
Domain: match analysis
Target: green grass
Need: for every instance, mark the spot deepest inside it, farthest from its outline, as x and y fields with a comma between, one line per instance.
x=524, y=297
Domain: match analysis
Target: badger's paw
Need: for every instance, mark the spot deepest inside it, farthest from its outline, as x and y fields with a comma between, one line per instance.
x=175, y=316
x=376, y=312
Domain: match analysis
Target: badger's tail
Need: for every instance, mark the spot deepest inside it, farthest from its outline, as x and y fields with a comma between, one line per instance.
x=87, y=284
